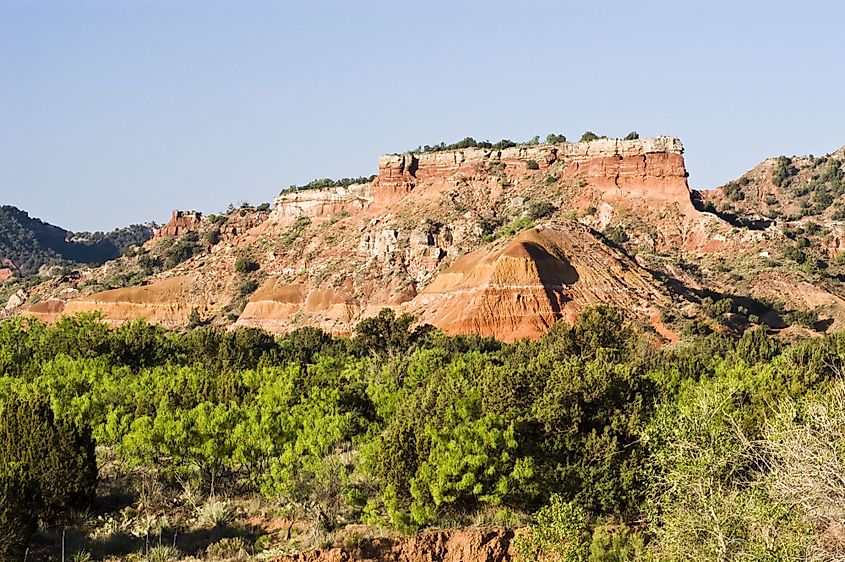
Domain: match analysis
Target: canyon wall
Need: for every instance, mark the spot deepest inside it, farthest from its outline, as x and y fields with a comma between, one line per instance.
x=652, y=168
x=417, y=239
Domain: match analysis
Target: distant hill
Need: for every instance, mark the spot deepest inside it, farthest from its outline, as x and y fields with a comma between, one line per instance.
x=27, y=243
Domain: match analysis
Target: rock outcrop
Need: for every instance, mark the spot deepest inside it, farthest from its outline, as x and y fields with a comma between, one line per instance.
x=497, y=242
x=168, y=302
x=620, y=169
x=314, y=203
x=180, y=222
x=520, y=287
x=468, y=545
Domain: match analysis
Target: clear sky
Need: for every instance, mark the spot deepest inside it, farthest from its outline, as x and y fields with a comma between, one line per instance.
x=118, y=111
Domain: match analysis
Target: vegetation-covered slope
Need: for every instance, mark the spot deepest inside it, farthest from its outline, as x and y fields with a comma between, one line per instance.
x=27, y=244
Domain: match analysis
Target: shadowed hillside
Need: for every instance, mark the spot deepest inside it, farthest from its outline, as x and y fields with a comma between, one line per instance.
x=27, y=244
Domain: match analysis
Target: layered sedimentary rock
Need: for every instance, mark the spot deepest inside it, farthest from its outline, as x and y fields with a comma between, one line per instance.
x=521, y=287
x=651, y=168
x=168, y=302
x=333, y=256
x=293, y=204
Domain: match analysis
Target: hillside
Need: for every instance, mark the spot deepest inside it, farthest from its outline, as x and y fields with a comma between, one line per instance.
x=28, y=244
x=496, y=240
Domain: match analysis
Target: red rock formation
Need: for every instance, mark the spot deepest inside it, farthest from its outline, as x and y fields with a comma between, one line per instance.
x=621, y=169
x=471, y=545
x=180, y=222
x=371, y=245
x=522, y=287
x=5, y=273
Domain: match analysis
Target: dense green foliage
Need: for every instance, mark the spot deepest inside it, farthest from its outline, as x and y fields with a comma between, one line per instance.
x=403, y=426
x=17, y=519
x=326, y=183
x=47, y=469
x=467, y=142
x=29, y=243
x=56, y=456
x=783, y=171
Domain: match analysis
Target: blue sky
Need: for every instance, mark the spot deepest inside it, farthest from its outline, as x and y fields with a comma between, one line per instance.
x=117, y=111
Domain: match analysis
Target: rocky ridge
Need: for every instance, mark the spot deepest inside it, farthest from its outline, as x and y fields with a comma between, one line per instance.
x=499, y=242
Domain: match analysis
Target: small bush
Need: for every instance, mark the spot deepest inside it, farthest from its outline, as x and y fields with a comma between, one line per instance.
x=245, y=265
x=560, y=532
x=163, y=553
x=633, y=135
x=213, y=512
x=540, y=209
x=248, y=287
x=806, y=318
x=733, y=191
x=227, y=549
x=617, y=234
x=783, y=171
x=589, y=136
x=532, y=165
x=552, y=138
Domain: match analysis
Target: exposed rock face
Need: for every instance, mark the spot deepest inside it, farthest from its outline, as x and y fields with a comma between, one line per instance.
x=334, y=256
x=168, y=302
x=180, y=222
x=650, y=168
x=321, y=203
x=5, y=273
x=521, y=287
x=438, y=546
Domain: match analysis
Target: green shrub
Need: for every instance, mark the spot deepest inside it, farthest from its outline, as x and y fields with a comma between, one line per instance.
x=56, y=456
x=633, y=135
x=184, y=249
x=560, y=532
x=616, y=234
x=515, y=226
x=212, y=237
x=244, y=265
x=806, y=318
x=532, y=165
x=248, y=287
x=589, y=136
x=17, y=517
x=540, y=209
x=616, y=545
x=553, y=138
x=783, y=171
x=733, y=191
